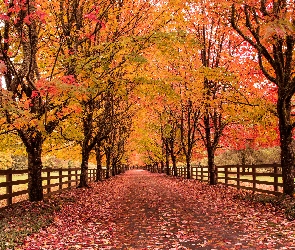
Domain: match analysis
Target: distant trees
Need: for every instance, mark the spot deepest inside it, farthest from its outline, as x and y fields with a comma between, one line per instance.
x=199, y=67
x=189, y=122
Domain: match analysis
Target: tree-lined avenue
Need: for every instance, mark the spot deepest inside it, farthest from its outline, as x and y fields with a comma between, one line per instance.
x=140, y=210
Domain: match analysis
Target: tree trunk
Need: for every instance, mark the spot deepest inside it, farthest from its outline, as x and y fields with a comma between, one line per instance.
x=162, y=167
x=84, y=169
x=211, y=167
x=157, y=167
x=287, y=156
x=108, y=165
x=114, y=169
x=98, y=163
x=173, y=158
x=35, y=188
x=188, y=167
x=167, y=162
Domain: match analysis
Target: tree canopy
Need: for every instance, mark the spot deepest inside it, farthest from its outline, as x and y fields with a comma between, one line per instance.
x=146, y=82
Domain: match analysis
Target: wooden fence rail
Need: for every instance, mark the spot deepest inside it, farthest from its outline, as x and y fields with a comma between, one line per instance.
x=54, y=180
x=265, y=178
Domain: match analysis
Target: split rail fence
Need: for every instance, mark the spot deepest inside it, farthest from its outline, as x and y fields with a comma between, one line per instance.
x=265, y=178
x=54, y=180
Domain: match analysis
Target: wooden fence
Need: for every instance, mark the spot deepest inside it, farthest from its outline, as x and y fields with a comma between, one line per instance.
x=266, y=178
x=54, y=180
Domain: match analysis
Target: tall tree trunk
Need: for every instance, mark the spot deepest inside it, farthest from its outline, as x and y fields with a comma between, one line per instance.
x=108, y=164
x=33, y=142
x=98, y=162
x=114, y=169
x=35, y=189
x=211, y=167
x=157, y=166
x=162, y=166
x=84, y=169
x=287, y=155
x=167, y=162
x=188, y=167
x=173, y=158
x=210, y=148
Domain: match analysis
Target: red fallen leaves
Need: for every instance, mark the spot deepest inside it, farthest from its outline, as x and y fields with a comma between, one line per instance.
x=140, y=210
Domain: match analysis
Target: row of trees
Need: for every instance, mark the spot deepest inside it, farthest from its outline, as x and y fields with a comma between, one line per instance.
x=68, y=69
x=208, y=73
x=230, y=76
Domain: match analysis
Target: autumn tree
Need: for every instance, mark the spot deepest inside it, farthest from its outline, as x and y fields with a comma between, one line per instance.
x=171, y=137
x=115, y=142
x=219, y=86
x=119, y=138
x=103, y=43
x=268, y=26
x=145, y=138
x=189, y=122
x=181, y=60
x=30, y=91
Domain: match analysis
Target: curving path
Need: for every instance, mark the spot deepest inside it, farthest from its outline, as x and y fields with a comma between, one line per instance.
x=140, y=210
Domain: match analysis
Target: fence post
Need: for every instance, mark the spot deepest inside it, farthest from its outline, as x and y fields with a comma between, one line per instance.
x=69, y=178
x=93, y=174
x=60, y=178
x=276, y=178
x=254, y=177
x=76, y=176
x=238, y=176
x=9, y=186
x=202, y=173
x=48, y=181
x=226, y=175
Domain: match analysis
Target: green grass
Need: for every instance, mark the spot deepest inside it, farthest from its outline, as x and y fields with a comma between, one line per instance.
x=24, y=219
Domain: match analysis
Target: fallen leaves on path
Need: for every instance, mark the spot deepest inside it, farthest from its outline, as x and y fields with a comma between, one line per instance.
x=140, y=210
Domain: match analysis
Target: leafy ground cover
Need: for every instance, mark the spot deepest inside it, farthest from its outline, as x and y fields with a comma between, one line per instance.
x=140, y=210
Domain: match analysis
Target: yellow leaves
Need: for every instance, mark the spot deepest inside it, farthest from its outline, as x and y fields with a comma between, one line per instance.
x=277, y=28
x=216, y=74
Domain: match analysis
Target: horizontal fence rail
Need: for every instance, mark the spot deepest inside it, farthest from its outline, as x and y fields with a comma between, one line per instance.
x=265, y=178
x=14, y=183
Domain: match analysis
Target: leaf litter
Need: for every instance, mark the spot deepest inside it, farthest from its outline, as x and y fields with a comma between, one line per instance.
x=141, y=210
